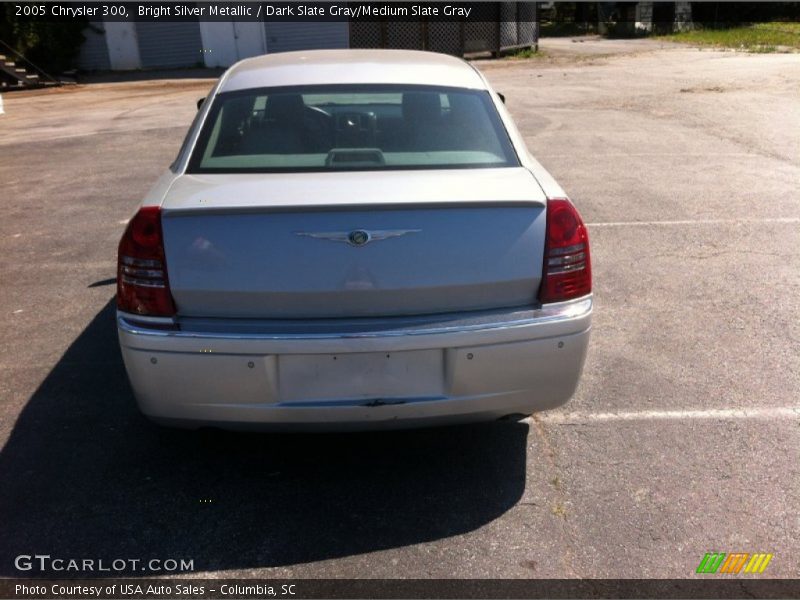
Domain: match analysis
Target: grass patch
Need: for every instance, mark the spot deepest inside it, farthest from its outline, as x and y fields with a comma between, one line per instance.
x=559, y=510
x=758, y=37
x=525, y=53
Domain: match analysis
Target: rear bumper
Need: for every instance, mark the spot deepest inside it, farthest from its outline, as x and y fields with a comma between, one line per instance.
x=381, y=376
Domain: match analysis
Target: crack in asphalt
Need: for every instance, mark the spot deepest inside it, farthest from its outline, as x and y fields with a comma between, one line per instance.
x=568, y=555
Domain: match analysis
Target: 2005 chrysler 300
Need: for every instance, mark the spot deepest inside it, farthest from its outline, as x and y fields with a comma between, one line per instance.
x=353, y=239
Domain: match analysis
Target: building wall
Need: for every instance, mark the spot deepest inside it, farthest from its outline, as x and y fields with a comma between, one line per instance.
x=123, y=45
x=226, y=42
x=164, y=44
x=156, y=45
x=285, y=36
x=94, y=51
x=170, y=44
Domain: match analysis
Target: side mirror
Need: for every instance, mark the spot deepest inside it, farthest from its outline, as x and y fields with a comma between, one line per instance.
x=200, y=103
x=502, y=97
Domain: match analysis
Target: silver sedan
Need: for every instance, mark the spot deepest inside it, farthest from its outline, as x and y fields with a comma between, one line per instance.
x=353, y=239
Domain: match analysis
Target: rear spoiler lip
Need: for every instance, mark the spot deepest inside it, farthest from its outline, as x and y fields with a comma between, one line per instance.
x=372, y=206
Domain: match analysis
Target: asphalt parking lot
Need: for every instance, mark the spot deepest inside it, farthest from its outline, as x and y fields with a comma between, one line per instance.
x=684, y=435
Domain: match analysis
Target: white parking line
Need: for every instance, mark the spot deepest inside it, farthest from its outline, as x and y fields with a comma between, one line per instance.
x=695, y=222
x=775, y=412
x=705, y=155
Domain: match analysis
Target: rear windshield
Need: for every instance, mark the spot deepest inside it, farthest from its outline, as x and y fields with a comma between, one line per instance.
x=322, y=128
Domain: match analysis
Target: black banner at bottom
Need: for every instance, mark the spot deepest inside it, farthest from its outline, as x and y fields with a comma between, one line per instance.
x=156, y=589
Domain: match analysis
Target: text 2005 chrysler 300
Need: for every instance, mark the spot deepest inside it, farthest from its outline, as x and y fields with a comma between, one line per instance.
x=353, y=239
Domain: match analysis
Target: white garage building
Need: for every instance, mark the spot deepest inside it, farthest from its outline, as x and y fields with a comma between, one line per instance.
x=116, y=46
x=164, y=44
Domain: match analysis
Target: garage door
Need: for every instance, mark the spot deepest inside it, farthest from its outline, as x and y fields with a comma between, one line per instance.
x=284, y=36
x=165, y=44
x=94, y=50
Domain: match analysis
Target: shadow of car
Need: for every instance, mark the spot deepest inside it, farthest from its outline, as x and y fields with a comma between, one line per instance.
x=83, y=475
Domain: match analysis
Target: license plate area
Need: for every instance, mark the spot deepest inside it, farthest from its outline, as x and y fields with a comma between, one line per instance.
x=360, y=376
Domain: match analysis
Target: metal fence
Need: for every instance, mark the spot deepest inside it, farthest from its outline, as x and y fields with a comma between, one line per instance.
x=513, y=27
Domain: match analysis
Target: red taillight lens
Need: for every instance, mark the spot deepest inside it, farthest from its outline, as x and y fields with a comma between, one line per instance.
x=142, y=283
x=567, y=271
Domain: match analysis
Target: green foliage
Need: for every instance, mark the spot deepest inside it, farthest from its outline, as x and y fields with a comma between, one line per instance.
x=49, y=45
x=758, y=37
x=525, y=53
x=568, y=19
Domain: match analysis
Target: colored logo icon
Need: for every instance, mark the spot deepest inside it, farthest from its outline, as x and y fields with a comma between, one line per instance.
x=734, y=563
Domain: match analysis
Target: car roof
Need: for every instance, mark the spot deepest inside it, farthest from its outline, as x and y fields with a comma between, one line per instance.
x=351, y=67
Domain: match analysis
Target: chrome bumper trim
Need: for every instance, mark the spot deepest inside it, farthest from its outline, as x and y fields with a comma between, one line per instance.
x=550, y=313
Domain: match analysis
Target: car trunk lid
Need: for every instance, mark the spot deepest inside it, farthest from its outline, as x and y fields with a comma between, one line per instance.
x=353, y=244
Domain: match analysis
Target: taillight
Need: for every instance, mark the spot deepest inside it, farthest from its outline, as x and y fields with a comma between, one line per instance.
x=567, y=269
x=142, y=283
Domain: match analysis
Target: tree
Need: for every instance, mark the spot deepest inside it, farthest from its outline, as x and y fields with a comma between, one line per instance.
x=52, y=46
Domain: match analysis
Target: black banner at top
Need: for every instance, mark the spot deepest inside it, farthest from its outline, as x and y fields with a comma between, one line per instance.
x=263, y=11
x=402, y=11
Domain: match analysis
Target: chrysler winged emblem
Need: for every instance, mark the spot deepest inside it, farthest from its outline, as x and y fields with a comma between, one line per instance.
x=357, y=237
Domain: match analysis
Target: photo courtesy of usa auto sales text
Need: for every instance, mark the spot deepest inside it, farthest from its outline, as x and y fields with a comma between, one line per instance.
x=61, y=590
x=57, y=590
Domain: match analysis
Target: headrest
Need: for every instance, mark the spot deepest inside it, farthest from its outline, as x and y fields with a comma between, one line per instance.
x=284, y=106
x=421, y=105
